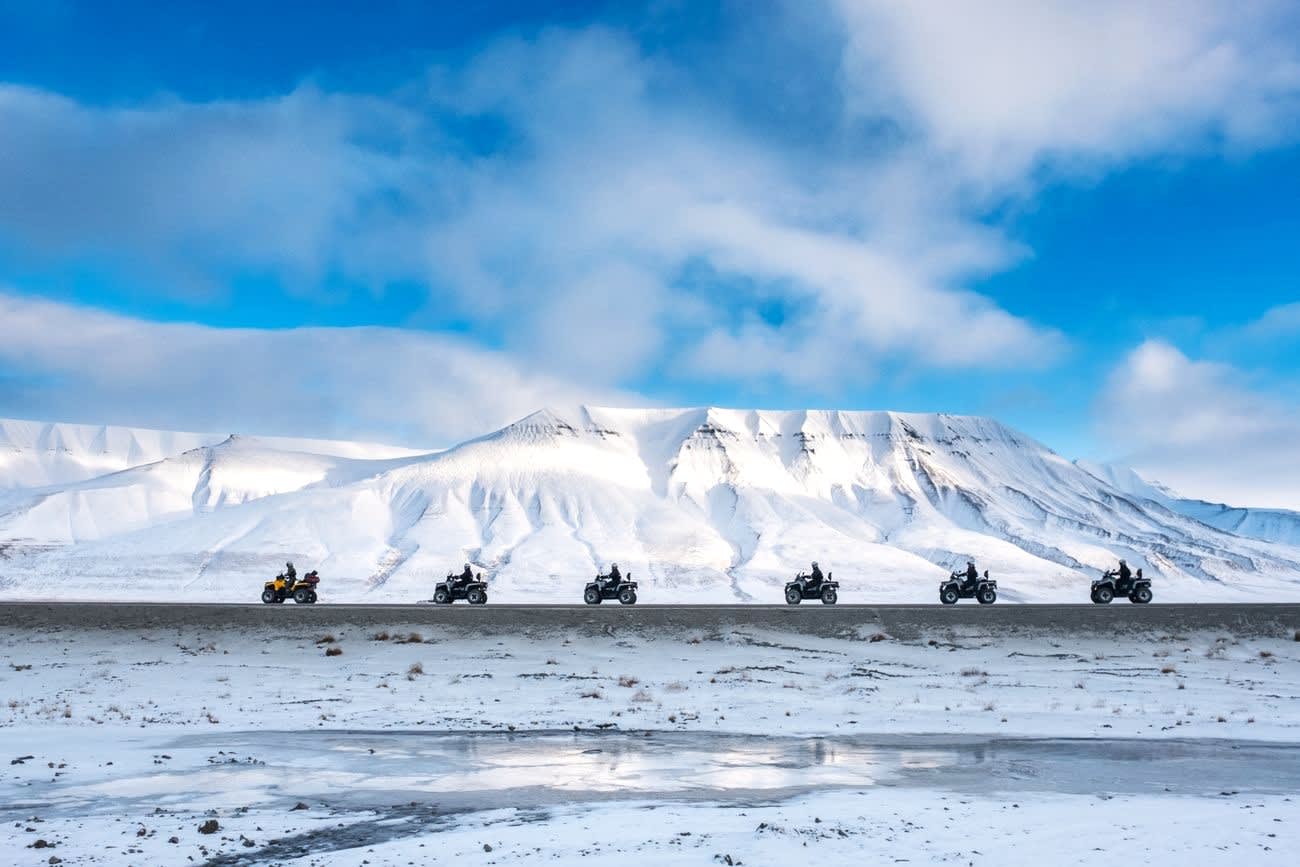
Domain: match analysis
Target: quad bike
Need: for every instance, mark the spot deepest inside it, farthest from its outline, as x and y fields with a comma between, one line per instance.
x=448, y=591
x=805, y=587
x=984, y=590
x=624, y=590
x=1110, y=585
x=301, y=590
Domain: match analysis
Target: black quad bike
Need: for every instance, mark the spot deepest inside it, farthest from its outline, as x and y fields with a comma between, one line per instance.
x=984, y=590
x=448, y=591
x=1110, y=585
x=624, y=590
x=301, y=590
x=804, y=587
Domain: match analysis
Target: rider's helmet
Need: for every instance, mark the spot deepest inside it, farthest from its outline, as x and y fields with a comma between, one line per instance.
x=1123, y=562
x=613, y=565
x=814, y=564
x=288, y=565
x=970, y=562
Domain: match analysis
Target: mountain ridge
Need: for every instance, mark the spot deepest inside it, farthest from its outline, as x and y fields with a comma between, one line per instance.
x=722, y=501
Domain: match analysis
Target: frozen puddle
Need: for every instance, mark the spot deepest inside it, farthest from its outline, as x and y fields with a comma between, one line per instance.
x=472, y=771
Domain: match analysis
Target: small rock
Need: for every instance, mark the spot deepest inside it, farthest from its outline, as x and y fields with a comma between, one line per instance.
x=300, y=806
x=173, y=839
x=487, y=848
x=211, y=826
x=41, y=844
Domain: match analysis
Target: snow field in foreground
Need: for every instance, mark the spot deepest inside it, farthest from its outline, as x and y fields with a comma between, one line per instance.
x=80, y=703
x=766, y=682
x=875, y=826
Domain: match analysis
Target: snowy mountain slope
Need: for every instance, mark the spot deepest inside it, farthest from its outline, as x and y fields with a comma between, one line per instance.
x=38, y=454
x=234, y=471
x=1269, y=525
x=726, y=503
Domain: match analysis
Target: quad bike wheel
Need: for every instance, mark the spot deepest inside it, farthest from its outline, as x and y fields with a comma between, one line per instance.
x=441, y=596
x=829, y=596
x=1092, y=594
x=948, y=596
x=268, y=596
x=1103, y=596
x=301, y=597
x=627, y=597
x=311, y=596
x=476, y=597
x=1141, y=596
x=987, y=596
x=792, y=596
x=591, y=596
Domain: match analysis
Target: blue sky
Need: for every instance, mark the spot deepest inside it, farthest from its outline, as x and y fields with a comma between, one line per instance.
x=419, y=224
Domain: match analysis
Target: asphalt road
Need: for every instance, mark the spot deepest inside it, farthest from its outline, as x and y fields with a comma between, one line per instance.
x=899, y=621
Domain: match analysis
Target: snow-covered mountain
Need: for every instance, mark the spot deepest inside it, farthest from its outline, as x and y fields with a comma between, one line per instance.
x=1269, y=525
x=697, y=503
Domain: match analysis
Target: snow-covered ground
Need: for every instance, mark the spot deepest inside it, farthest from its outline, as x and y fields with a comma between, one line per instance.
x=139, y=737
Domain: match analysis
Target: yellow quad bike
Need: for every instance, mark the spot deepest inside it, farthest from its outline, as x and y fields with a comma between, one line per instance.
x=303, y=590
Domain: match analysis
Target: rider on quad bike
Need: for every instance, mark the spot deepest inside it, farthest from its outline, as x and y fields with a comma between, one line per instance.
x=610, y=586
x=811, y=585
x=968, y=584
x=468, y=586
x=811, y=582
x=1122, y=582
x=287, y=586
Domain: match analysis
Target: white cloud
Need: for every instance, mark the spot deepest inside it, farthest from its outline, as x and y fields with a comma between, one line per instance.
x=294, y=184
x=1278, y=323
x=76, y=364
x=614, y=178
x=1202, y=428
x=565, y=240
x=560, y=231
x=1005, y=86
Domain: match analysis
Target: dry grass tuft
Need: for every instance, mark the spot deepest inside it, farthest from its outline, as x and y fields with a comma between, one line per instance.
x=592, y=693
x=413, y=638
x=326, y=639
x=380, y=636
x=974, y=672
x=641, y=697
x=627, y=682
x=414, y=671
x=334, y=651
x=880, y=636
x=1168, y=669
